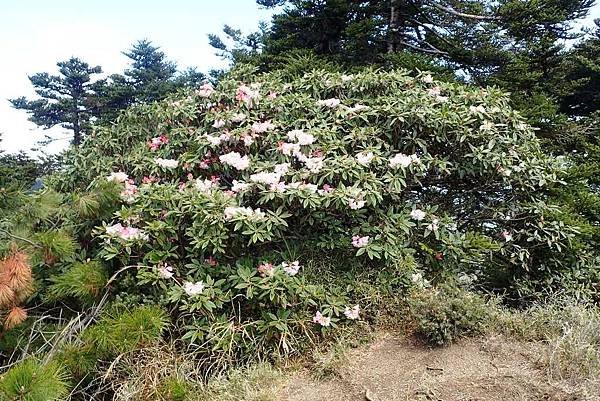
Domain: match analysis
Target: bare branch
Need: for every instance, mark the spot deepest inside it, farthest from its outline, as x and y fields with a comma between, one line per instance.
x=420, y=49
x=452, y=11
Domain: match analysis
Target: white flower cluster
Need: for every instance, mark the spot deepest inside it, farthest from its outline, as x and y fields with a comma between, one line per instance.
x=403, y=160
x=166, y=163
x=232, y=212
x=235, y=160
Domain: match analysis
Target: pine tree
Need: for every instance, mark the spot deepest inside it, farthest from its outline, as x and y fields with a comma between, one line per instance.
x=63, y=99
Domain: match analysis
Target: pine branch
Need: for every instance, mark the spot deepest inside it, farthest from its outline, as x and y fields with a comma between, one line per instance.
x=20, y=238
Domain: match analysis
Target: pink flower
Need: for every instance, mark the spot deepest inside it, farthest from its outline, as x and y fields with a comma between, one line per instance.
x=506, y=236
x=126, y=233
x=327, y=188
x=277, y=187
x=156, y=143
x=322, y=320
x=272, y=95
x=218, y=124
x=266, y=270
x=246, y=94
x=129, y=192
x=211, y=261
x=352, y=313
x=205, y=90
x=360, y=242
x=148, y=180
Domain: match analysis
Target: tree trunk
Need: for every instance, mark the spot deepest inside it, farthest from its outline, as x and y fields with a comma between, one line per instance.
x=392, y=29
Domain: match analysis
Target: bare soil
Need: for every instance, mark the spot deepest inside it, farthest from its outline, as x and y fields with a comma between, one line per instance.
x=394, y=368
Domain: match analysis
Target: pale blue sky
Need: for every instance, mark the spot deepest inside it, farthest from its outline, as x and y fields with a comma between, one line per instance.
x=35, y=34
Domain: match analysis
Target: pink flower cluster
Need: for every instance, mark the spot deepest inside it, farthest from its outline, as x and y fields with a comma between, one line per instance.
x=360, y=242
x=126, y=233
x=157, y=142
x=246, y=94
x=322, y=320
x=352, y=313
x=130, y=191
x=205, y=90
x=266, y=270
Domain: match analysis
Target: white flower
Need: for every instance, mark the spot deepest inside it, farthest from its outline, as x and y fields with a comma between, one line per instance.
x=307, y=187
x=238, y=118
x=282, y=168
x=435, y=91
x=314, y=164
x=265, y=178
x=418, y=214
x=128, y=194
x=259, y=128
x=301, y=137
x=166, y=271
x=364, y=158
x=322, y=320
x=289, y=148
x=119, y=176
x=239, y=186
x=333, y=102
x=193, y=289
x=235, y=160
x=248, y=139
x=477, y=109
x=205, y=186
x=232, y=212
x=166, y=163
x=442, y=99
x=291, y=268
x=219, y=124
x=355, y=204
x=487, y=126
x=427, y=79
x=278, y=187
x=401, y=160
x=357, y=107
x=352, y=313
x=434, y=225
x=346, y=78
x=214, y=140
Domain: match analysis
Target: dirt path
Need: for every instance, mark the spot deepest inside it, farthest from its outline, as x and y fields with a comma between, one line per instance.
x=393, y=369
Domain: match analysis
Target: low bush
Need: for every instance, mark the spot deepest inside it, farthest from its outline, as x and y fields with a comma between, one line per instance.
x=444, y=314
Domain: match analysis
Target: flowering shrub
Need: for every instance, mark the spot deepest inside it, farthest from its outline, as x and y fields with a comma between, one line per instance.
x=219, y=184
